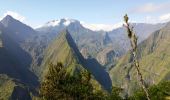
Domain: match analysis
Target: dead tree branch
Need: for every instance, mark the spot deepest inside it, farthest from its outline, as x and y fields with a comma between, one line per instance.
x=133, y=41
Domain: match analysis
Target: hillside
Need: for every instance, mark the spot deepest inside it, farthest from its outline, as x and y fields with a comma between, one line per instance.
x=63, y=49
x=153, y=54
x=15, y=60
x=13, y=89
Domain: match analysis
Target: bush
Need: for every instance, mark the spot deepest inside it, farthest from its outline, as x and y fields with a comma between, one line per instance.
x=156, y=92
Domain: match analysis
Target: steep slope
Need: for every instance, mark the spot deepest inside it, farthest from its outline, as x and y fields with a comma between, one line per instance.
x=154, y=62
x=23, y=43
x=63, y=49
x=14, y=61
x=20, y=31
x=107, y=56
x=15, y=36
x=60, y=51
x=11, y=89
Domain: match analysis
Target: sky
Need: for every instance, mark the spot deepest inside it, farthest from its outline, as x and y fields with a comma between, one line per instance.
x=111, y=12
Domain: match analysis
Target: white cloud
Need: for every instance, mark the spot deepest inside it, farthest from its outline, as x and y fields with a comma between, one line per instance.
x=151, y=7
x=157, y=19
x=146, y=8
x=14, y=15
x=165, y=17
x=101, y=27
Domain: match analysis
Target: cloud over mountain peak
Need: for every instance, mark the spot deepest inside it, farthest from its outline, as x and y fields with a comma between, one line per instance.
x=14, y=15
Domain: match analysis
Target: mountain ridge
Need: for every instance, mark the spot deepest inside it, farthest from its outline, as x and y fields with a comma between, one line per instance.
x=65, y=49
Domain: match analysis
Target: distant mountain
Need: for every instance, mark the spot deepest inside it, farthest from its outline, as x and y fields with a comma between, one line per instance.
x=63, y=49
x=153, y=54
x=88, y=41
x=143, y=31
x=107, y=40
x=15, y=61
x=23, y=43
x=101, y=27
x=93, y=43
x=17, y=30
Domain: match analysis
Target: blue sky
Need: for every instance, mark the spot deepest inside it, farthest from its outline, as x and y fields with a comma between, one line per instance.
x=36, y=12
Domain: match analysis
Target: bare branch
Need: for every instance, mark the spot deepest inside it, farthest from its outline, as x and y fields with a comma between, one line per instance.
x=133, y=40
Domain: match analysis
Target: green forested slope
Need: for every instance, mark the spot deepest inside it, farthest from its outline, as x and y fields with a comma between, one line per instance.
x=154, y=57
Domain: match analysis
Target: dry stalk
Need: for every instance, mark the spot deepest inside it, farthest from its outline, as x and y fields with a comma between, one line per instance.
x=133, y=40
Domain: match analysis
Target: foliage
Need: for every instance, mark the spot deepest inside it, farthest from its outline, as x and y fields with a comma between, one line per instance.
x=115, y=94
x=6, y=87
x=156, y=92
x=60, y=85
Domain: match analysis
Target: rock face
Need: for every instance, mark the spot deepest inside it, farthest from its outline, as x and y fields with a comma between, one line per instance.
x=1, y=45
x=107, y=40
x=106, y=56
x=153, y=55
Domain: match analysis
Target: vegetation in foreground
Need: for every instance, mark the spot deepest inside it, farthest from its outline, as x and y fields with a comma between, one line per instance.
x=160, y=91
x=59, y=85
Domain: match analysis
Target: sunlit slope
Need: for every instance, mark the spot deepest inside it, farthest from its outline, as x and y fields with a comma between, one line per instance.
x=63, y=49
x=154, y=57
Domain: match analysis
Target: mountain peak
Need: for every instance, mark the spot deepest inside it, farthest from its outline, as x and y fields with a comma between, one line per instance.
x=8, y=19
x=63, y=21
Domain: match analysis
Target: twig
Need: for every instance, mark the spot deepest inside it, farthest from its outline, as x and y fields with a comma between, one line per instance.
x=133, y=40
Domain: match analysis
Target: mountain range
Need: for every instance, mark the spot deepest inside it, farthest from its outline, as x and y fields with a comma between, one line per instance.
x=26, y=52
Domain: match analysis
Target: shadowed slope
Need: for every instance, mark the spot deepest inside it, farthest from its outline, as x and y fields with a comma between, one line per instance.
x=14, y=61
x=64, y=50
x=92, y=65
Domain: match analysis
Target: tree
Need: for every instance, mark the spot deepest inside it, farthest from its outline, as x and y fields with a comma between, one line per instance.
x=60, y=85
x=133, y=40
x=50, y=87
